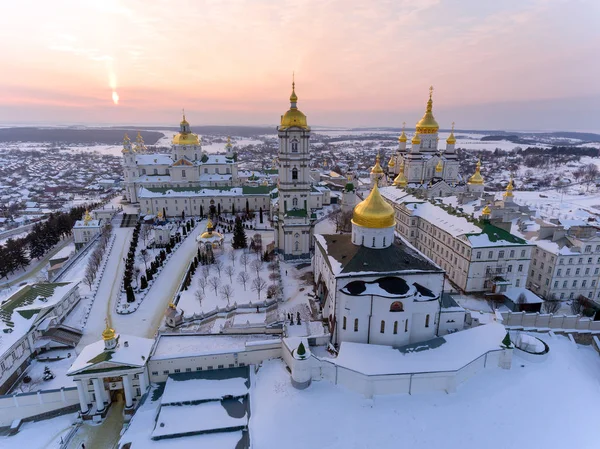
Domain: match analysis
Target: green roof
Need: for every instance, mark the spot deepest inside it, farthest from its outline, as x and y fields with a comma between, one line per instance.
x=258, y=190
x=296, y=213
x=246, y=190
x=25, y=297
x=272, y=171
x=496, y=234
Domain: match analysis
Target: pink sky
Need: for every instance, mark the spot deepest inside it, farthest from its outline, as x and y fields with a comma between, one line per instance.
x=510, y=64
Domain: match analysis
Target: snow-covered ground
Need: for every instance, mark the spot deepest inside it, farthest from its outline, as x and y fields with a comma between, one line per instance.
x=36, y=371
x=41, y=434
x=529, y=405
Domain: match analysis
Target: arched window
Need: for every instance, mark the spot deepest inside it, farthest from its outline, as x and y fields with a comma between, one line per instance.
x=363, y=240
x=195, y=156
x=294, y=147
x=382, y=327
x=155, y=171
x=143, y=171
x=295, y=202
x=297, y=248
x=397, y=306
x=294, y=173
x=427, y=321
x=168, y=171
x=395, y=327
x=384, y=241
x=406, y=326
x=344, y=323
x=356, y=325
x=373, y=242
x=183, y=173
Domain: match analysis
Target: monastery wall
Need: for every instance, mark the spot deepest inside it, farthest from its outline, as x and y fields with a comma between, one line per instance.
x=25, y=405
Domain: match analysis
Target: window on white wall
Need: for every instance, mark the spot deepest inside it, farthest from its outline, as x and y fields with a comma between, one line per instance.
x=356, y=325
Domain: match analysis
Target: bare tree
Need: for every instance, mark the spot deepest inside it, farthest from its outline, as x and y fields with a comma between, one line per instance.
x=145, y=231
x=206, y=270
x=202, y=283
x=522, y=299
x=226, y=292
x=551, y=305
x=273, y=290
x=219, y=266
x=229, y=271
x=258, y=285
x=90, y=275
x=257, y=266
x=214, y=283
x=199, y=296
x=577, y=305
x=273, y=266
x=245, y=259
x=145, y=256
x=231, y=256
x=243, y=278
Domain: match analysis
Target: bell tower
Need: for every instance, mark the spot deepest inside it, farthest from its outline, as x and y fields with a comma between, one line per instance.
x=294, y=222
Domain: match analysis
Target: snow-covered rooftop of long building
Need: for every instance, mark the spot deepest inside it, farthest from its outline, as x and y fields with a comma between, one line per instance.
x=159, y=192
x=178, y=390
x=172, y=346
x=448, y=353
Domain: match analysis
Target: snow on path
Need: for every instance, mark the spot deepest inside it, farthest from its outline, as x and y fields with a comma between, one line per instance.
x=109, y=287
x=145, y=321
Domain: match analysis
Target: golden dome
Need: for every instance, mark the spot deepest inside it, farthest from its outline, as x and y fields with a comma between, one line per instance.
x=186, y=139
x=439, y=167
x=427, y=124
x=126, y=144
x=400, y=180
x=87, y=217
x=416, y=139
x=108, y=333
x=451, y=140
x=391, y=163
x=509, y=189
x=403, y=137
x=476, y=179
x=486, y=210
x=293, y=117
x=376, y=169
x=228, y=144
x=374, y=212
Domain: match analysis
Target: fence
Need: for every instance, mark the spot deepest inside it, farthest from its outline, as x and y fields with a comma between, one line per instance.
x=26, y=405
x=546, y=322
x=69, y=263
x=230, y=311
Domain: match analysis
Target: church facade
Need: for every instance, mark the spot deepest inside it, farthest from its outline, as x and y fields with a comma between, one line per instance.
x=374, y=287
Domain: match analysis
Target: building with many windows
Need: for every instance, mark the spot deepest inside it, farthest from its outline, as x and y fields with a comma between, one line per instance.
x=477, y=257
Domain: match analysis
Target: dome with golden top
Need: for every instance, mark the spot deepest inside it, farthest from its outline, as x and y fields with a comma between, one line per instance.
x=509, y=189
x=402, y=137
x=108, y=333
x=400, y=180
x=294, y=117
x=476, y=179
x=185, y=136
x=126, y=144
x=376, y=169
x=391, y=163
x=427, y=124
x=416, y=139
x=451, y=140
x=87, y=217
x=486, y=210
x=439, y=167
x=374, y=212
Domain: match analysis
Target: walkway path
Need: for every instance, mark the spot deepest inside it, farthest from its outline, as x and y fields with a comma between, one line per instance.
x=103, y=436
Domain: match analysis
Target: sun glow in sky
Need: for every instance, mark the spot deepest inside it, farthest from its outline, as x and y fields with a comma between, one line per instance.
x=510, y=64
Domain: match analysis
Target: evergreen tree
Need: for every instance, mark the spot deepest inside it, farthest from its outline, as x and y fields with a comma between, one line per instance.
x=506, y=341
x=233, y=209
x=261, y=214
x=239, y=235
x=130, y=294
x=16, y=252
x=301, y=351
x=143, y=283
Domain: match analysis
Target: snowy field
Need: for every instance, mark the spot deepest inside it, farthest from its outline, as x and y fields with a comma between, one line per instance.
x=40, y=435
x=545, y=405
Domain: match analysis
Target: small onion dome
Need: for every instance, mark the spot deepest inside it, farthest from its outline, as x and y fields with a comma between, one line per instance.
x=228, y=144
x=87, y=217
x=293, y=117
x=439, y=167
x=402, y=137
x=400, y=180
x=509, y=189
x=486, y=210
x=391, y=163
x=108, y=333
x=126, y=144
x=451, y=140
x=427, y=124
x=376, y=169
x=416, y=139
x=374, y=212
x=476, y=179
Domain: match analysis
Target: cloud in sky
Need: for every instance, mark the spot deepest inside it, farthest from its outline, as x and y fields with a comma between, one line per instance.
x=357, y=63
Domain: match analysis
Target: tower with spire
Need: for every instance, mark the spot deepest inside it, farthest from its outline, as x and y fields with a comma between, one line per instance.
x=294, y=220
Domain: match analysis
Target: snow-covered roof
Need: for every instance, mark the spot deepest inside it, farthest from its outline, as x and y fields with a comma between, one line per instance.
x=153, y=159
x=89, y=224
x=189, y=390
x=173, y=346
x=448, y=353
x=130, y=351
x=513, y=294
